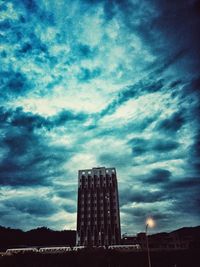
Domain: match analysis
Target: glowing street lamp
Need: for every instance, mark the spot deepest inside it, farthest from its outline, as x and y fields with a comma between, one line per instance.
x=149, y=223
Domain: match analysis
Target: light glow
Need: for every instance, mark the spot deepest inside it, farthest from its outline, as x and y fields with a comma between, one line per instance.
x=150, y=222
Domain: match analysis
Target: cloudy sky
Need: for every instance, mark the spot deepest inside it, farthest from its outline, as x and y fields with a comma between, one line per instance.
x=99, y=83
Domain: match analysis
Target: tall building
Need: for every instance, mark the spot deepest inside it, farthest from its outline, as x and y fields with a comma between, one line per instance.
x=98, y=219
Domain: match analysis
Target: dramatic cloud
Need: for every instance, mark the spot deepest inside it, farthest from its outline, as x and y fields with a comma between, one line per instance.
x=99, y=83
x=172, y=124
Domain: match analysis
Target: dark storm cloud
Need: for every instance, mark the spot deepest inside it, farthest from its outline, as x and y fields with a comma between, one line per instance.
x=28, y=159
x=163, y=65
x=136, y=216
x=166, y=27
x=30, y=121
x=30, y=5
x=140, y=196
x=192, y=183
x=69, y=196
x=178, y=23
x=165, y=146
x=14, y=79
x=85, y=51
x=13, y=84
x=69, y=208
x=172, y=187
x=70, y=192
x=87, y=75
x=33, y=7
x=65, y=116
x=156, y=28
x=3, y=210
x=185, y=194
x=19, y=32
x=32, y=47
x=5, y=24
x=181, y=194
x=158, y=176
x=141, y=146
x=194, y=160
x=192, y=88
x=35, y=206
x=172, y=124
x=139, y=214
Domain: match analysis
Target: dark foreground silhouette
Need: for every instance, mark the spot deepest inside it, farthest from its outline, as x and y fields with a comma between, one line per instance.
x=44, y=237
x=184, y=258
x=14, y=238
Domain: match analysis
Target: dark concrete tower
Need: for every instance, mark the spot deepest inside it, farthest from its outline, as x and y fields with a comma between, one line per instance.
x=98, y=219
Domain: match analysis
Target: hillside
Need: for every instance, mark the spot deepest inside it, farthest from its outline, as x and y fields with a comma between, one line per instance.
x=36, y=237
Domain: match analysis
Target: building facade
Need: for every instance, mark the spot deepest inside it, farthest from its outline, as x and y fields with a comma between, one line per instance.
x=98, y=218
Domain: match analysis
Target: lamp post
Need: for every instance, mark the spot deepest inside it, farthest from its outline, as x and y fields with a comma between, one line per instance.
x=149, y=223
